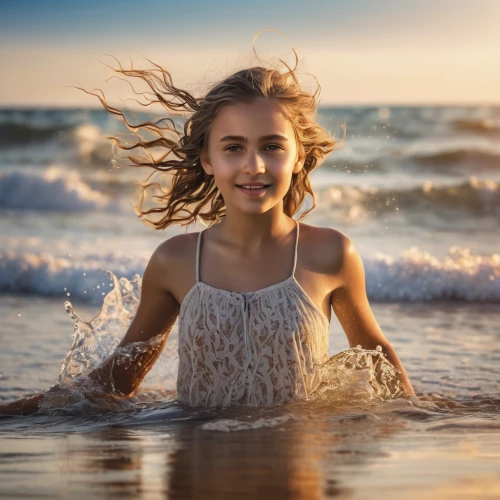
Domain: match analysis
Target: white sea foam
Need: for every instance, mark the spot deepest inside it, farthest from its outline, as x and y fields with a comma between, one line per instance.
x=473, y=197
x=52, y=190
x=231, y=425
x=418, y=276
x=91, y=145
x=413, y=276
x=49, y=275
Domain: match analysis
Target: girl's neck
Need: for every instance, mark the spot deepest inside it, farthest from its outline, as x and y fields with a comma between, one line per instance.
x=253, y=231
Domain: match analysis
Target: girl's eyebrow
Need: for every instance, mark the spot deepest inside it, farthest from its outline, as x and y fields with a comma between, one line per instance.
x=240, y=138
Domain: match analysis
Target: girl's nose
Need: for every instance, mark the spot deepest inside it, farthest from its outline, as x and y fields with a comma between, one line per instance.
x=254, y=163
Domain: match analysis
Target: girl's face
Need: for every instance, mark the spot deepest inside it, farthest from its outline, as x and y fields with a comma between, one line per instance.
x=252, y=153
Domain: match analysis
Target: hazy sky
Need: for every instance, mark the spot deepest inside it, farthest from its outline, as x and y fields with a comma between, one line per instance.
x=361, y=51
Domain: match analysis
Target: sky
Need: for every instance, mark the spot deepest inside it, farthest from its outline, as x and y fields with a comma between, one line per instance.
x=363, y=52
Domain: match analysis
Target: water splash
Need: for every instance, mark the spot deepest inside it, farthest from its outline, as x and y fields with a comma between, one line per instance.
x=355, y=376
x=358, y=376
x=97, y=340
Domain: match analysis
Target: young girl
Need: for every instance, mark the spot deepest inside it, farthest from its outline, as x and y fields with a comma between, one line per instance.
x=253, y=292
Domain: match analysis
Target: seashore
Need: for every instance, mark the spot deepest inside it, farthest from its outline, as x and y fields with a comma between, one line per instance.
x=446, y=447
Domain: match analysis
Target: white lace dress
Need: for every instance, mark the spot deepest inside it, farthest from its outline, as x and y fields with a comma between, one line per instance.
x=257, y=348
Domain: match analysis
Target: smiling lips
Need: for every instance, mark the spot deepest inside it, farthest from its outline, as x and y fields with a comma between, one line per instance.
x=253, y=188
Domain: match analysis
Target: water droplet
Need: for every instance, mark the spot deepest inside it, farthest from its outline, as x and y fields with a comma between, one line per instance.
x=19, y=315
x=68, y=294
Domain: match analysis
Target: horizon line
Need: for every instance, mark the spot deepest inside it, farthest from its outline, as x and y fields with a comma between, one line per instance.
x=437, y=104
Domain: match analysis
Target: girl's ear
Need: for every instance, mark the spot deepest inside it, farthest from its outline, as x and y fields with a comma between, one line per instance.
x=299, y=164
x=205, y=163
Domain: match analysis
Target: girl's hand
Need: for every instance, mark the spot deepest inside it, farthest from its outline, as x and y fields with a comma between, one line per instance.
x=25, y=406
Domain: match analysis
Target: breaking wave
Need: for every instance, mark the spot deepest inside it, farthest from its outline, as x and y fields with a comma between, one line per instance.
x=16, y=134
x=456, y=154
x=414, y=276
x=52, y=190
x=473, y=197
x=477, y=125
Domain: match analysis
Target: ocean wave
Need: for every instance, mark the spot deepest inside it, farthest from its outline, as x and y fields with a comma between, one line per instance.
x=16, y=134
x=455, y=155
x=473, y=197
x=85, y=144
x=91, y=145
x=477, y=125
x=44, y=274
x=414, y=276
x=52, y=190
x=418, y=276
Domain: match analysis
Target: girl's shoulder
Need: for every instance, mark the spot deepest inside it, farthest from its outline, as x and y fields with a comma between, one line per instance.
x=176, y=249
x=174, y=260
x=323, y=248
x=175, y=255
x=176, y=245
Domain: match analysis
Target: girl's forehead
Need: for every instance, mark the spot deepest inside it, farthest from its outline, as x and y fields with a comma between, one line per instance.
x=264, y=114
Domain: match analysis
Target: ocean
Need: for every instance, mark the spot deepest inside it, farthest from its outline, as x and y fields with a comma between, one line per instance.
x=418, y=191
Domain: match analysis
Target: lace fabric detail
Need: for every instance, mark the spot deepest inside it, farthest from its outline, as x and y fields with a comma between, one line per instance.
x=258, y=348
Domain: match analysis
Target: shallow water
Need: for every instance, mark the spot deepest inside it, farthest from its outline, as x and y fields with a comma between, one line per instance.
x=447, y=446
x=310, y=456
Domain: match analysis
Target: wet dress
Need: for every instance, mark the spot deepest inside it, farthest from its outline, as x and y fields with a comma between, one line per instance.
x=257, y=348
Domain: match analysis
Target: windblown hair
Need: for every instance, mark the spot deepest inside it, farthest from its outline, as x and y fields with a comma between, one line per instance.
x=192, y=193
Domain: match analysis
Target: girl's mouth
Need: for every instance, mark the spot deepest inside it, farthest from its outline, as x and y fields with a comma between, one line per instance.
x=253, y=189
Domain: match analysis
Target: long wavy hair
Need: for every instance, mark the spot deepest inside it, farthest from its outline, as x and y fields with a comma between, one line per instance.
x=191, y=193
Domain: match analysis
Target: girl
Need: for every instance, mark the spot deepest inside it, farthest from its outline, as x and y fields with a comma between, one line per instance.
x=253, y=292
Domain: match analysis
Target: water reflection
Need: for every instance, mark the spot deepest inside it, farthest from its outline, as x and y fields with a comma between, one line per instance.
x=105, y=464
x=303, y=456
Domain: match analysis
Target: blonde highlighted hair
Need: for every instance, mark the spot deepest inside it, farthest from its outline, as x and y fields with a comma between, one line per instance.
x=192, y=194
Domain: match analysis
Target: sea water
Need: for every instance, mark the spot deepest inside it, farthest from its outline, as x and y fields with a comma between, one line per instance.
x=418, y=191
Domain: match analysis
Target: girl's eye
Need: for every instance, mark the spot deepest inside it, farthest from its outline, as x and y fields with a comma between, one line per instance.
x=274, y=146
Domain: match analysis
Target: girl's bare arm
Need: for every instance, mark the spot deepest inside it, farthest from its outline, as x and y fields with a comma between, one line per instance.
x=156, y=314
x=350, y=304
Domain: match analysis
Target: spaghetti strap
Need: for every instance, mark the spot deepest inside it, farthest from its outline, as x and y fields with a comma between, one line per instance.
x=198, y=253
x=229, y=341
x=198, y=246
x=295, y=253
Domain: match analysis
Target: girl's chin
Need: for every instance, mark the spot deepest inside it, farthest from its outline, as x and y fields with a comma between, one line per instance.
x=251, y=208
